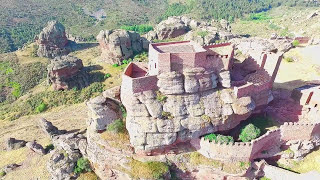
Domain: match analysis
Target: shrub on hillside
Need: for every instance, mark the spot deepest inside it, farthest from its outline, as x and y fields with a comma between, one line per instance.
x=118, y=126
x=141, y=29
x=41, y=107
x=249, y=133
x=295, y=43
x=83, y=165
x=219, y=138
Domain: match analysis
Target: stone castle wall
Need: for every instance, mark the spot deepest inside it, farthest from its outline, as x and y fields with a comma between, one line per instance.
x=260, y=147
x=193, y=105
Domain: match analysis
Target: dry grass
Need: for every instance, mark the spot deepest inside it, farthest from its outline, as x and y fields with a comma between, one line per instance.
x=293, y=18
x=25, y=55
x=88, y=176
x=295, y=74
x=147, y=170
x=197, y=159
x=310, y=163
x=117, y=140
x=91, y=58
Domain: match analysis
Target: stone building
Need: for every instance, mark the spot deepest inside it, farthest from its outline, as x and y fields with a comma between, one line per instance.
x=188, y=90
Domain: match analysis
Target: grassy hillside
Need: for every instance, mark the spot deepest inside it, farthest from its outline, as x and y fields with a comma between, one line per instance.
x=21, y=20
x=284, y=21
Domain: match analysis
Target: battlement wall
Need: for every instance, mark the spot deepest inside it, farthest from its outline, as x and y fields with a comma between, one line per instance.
x=240, y=151
x=294, y=131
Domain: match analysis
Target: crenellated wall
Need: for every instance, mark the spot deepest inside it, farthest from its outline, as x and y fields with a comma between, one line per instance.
x=261, y=147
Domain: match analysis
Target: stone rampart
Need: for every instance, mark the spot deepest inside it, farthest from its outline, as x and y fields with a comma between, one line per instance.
x=259, y=147
x=294, y=131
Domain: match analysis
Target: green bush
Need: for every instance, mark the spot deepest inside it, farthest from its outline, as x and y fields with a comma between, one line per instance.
x=259, y=16
x=166, y=115
x=118, y=126
x=289, y=59
x=219, y=138
x=49, y=147
x=264, y=178
x=249, y=133
x=82, y=166
x=106, y=76
x=123, y=111
x=141, y=29
x=161, y=97
x=41, y=107
x=2, y=173
x=202, y=33
x=295, y=43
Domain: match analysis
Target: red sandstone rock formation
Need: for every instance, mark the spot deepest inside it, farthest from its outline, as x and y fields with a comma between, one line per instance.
x=52, y=41
x=118, y=45
x=67, y=72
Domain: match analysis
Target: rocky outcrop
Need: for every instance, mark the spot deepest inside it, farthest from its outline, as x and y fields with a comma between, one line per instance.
x=68, y=148
x=171, y=28
x=299, y=149
x=117, y=45
x=12, y=144
x=67, y=72
x=52, y=41
x=102, y=112
x=61, y=165
x=198, y=31
x=35, y=147
x=186, y=106
x=48, y=128
x=250, y=46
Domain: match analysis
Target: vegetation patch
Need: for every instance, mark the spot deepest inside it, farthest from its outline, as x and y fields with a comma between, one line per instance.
x=166, y=115
x=295, y=43
x=148, y=170
x=88, y=176
x=160, y=97
x=41, y=107
x=141, y=29
x=202, y=34
x=82, y=166
x=2, y=173
x=259, y=16
x=117, y=140
x=118, y=126
x=51, y=99
x=48, y=148
x=219, y=138
x=249, y=133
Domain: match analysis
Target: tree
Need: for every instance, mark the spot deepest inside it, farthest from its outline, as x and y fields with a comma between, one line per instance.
x=249, y=132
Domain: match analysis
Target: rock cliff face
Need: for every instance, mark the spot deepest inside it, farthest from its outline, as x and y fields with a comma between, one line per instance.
x=198, y=31
x=52, y=41
x=67, y=72
x=117, y=45
x=185, y=107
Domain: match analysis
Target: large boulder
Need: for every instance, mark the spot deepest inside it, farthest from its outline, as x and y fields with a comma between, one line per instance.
x=35, y=147
x=171, y=28
x=67, y=72
x=12, y=144
x=52, y=41
x=48, y=128
x=102, y=112
x=117, y=45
